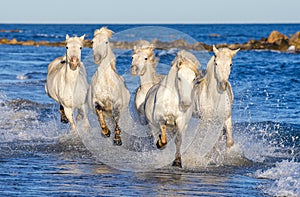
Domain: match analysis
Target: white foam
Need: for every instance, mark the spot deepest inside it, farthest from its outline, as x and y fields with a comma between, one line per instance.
x=285, y=176
x=22, y=77
x=22, y=124
x=126, y=157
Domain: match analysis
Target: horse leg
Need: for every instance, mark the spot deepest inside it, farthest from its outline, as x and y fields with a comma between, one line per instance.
x=63, y=117
x=117, y=139
x=228, y=128
x=83, y=111
x=178, y=140
x=69, y=115
x=162, y=141
x=99, y=112
x=79, y=115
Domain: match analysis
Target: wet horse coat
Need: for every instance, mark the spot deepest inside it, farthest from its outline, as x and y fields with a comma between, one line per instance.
x=144, y=65
x=108, y=95
x=66, y=82
x=170, y=103
x=214, y=96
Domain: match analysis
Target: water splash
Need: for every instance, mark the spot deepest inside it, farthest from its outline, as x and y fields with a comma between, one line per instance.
x=285, y=176
x=138, y=152
x=24, y=120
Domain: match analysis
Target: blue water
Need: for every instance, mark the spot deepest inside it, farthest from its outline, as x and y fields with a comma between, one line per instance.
x=266, y=111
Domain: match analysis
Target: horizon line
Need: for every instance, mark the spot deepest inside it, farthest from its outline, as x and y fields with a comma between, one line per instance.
x=150, y=22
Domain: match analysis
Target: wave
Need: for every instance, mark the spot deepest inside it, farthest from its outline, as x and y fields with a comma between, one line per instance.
x=48, y=36
x=25, y=120
x=285, y=179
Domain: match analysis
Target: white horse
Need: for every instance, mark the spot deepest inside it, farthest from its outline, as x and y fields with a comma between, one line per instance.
x=170, y=103
x=108, y=95
x=144, y=64
x=214, y=96
x=67, y=84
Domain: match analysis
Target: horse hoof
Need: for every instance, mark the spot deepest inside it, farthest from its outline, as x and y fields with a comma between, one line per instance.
x=177, y=163
x=64, y=119
x=229, y=144
x=117, y=142
x=159, y=144
x=106, y=135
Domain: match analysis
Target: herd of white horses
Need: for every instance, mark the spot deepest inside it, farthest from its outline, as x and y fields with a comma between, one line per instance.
x=165, y=103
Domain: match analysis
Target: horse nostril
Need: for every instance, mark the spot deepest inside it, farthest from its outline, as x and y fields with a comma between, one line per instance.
x=223, y=85
x=133, y=70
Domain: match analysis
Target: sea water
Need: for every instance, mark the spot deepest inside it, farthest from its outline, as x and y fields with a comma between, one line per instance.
x=39, y=156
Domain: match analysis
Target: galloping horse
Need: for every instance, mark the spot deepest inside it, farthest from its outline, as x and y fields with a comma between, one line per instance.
x=144, y=64
x=169, y=104
x=67, y=84
x=214, y=96
x=108, y=95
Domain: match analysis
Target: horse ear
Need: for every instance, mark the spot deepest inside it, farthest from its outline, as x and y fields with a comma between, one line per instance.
x=233, y=52
x=67, y=37
x=151, y=47
x=216, y=51
x=179, y=64
x=134, y=49
x=82, y=37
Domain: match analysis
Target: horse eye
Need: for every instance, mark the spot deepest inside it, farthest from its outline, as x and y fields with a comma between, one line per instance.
x=230, y=65
x=80, y=48
x=146, y=58
x=132, y=57
x=106, y=42
x=67, y=47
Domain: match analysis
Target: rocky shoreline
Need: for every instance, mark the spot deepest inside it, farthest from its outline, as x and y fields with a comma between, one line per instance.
x=275, y=41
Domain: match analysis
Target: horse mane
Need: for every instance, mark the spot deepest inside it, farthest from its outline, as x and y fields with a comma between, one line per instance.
x=105, y=31
x=147, y=47
x=142, y=44
x=76, y=39
x=210, y=65
x=183, y=56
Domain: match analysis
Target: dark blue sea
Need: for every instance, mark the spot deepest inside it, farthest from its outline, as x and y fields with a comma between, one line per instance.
x=40, y=157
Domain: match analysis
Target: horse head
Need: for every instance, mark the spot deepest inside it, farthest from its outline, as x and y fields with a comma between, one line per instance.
x=222, y=65
x=187, y=70
x=100, y=43
x=143, y=54
x=73, y=50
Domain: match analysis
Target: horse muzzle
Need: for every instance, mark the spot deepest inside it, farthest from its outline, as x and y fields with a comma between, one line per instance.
x=183, y=106
x=97, y=59
x=222, y=85
x=133, y=70
x=74, y=63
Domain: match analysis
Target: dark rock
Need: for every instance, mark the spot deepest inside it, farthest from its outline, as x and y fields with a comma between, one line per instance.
x=295, y=38
x=28, y=43
x=275, y=36
x=12, y=41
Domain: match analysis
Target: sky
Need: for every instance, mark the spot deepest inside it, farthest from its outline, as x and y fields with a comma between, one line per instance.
x=150, y=11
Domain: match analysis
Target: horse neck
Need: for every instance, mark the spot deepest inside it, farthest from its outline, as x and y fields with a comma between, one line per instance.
x=210, y=75
x=109, y=62
x=70, y=75
x=169, y=81
x=150, y=77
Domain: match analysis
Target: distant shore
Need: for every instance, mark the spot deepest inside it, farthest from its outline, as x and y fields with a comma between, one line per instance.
x=276, y=41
